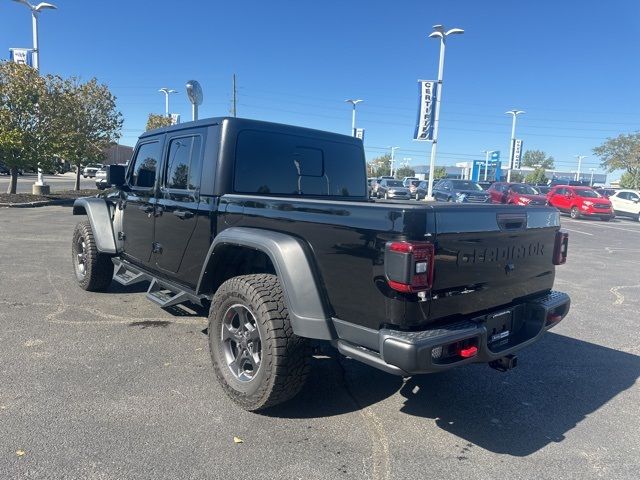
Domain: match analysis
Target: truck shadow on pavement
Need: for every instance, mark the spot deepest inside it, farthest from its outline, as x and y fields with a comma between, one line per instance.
x=560, y=381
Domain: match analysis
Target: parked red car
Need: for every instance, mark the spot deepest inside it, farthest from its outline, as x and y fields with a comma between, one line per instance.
x=515, y=194
x=580, y=202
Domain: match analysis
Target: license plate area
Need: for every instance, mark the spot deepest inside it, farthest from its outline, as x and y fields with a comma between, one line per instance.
x=499, y=327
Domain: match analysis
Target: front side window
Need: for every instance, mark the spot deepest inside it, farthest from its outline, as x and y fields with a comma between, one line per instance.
x=145, y=165
x=588, y=194
x=286, y=164
x=183, y=164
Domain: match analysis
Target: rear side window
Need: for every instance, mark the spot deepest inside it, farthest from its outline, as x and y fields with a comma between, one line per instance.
x=183, y=164
x=281, y=164
x=145, y=165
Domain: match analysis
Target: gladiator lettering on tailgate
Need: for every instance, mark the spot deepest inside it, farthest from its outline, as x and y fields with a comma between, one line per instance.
x=499, y=254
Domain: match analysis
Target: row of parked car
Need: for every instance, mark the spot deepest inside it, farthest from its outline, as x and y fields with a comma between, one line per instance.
x=575, y=199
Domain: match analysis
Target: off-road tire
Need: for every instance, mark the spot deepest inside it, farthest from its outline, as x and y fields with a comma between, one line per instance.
x=284, y=364
x=574, y=213
x=98, y=267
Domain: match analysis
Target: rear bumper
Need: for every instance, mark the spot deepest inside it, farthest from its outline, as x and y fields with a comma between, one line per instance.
x=409, y=353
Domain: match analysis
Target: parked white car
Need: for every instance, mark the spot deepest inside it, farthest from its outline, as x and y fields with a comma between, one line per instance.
x=626, y=203
x=90, y=170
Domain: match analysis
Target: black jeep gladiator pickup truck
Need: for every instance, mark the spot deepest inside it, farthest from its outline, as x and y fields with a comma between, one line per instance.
x=271, y=227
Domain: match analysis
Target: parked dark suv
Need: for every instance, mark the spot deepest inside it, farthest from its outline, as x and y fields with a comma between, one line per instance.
x=461, y=191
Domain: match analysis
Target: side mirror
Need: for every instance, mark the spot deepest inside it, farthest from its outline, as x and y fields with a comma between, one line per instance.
x=115, y=175
x=636, y=200
x=568, y=195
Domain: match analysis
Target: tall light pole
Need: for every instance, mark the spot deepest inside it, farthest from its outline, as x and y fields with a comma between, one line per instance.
x=166, y=92
x=514, y=114
x=591, y=181
x=35, y=11
x=580, y=158
x=486, y=162
x=438, y=32
x=393, y=158
x=353, y=102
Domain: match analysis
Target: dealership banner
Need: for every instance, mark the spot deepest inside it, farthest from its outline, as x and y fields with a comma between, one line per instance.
x=426, y=109
x=21, y=56
x=517, y=153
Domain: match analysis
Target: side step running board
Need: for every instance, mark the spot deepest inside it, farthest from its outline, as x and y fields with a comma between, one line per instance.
x=162, y=292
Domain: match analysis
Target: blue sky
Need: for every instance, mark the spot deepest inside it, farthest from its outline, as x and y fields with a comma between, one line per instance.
x=571, y=65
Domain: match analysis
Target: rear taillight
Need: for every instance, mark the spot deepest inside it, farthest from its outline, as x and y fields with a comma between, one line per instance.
x=408, y=266
x=560, y=248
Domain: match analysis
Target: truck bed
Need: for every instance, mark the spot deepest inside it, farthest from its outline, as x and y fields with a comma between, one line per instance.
x=486, y=256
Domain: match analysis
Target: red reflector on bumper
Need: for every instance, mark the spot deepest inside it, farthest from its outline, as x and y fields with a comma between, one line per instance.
x=468, y=352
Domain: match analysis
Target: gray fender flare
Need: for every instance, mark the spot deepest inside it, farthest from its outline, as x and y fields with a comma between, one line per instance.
x=307, y=312
x=100, y=217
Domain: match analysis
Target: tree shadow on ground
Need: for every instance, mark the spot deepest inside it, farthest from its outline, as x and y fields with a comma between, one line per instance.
x=559, y=382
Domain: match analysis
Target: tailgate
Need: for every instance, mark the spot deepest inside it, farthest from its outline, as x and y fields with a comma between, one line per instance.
x=488, y=256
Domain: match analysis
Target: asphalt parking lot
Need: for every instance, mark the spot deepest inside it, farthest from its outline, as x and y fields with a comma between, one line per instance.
x=108, y=386
x=58, y=183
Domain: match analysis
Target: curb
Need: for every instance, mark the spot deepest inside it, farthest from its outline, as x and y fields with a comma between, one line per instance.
x=42, y=203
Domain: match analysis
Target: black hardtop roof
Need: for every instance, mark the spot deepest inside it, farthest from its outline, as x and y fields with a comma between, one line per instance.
x=236, y=124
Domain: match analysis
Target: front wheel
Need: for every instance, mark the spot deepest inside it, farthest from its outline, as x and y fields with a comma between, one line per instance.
x=94, y=270
x=575, y=213
x=257, y=359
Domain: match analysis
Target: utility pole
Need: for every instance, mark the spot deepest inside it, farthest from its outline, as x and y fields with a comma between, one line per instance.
x=393, y=158
x=166, y=92
x=438, y=32
x=234, y=104
x=353, y=102
x=580, y=158
x=514, y=113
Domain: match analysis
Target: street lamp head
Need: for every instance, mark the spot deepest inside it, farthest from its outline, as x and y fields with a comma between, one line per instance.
x=25, y=2
x=167, y=90
x=44, y=6
x=439, y=32
x=353, y=101
x=455, y=31
x=515, y=112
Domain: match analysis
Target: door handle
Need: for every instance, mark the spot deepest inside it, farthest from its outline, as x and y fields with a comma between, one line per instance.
x=183, y=214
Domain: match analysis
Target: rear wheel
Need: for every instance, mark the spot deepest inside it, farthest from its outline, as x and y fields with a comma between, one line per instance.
x=575, y=213
x=94, y=270
x=607, y=218
x=257, y=359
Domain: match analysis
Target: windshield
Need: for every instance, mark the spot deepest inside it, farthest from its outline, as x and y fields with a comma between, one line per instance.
x=465, y=185
x=394, y=183
x=588, y=193
x=524, y=189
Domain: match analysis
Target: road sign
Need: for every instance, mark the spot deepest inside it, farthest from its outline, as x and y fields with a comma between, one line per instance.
x=360, y=133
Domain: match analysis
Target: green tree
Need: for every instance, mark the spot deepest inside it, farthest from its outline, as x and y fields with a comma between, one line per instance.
x=157, y=121
x=517, y=177
x=26, y=130
x=380, y=166
x=535, y=177
x=536, y=158
x=405, y=172
x=622, y=153
x=87, y=119
x=439, y=172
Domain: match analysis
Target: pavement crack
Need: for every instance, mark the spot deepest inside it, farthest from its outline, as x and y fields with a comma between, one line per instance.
x=379, y=442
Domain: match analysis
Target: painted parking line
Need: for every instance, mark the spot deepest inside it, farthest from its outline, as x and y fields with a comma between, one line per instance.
x=577, y=231
x=607, y=227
